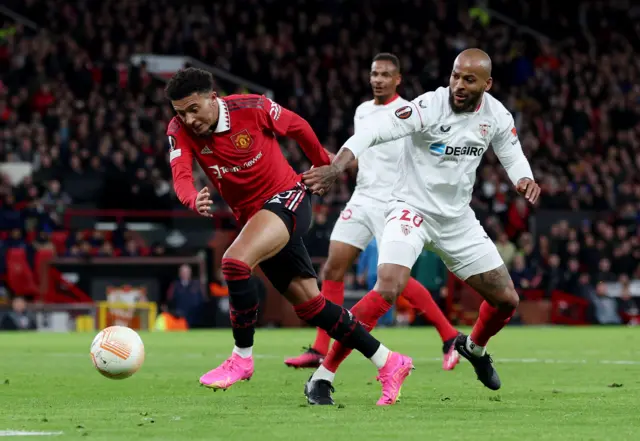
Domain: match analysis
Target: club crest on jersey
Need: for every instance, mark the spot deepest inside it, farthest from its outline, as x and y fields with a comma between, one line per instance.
x=404, y=112
x=242, y=140
x=346, y=214
x=406, y=229
x=484, y=130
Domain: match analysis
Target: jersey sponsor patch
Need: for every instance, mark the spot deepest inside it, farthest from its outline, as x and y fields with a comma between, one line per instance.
x=404, y=112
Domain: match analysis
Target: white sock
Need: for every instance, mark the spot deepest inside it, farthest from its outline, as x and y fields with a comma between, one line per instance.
x=379, y=359
x=243, y=352
x=475, y=349
x=322, y=373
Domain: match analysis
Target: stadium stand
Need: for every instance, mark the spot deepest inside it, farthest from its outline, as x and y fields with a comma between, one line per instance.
x=92, y=124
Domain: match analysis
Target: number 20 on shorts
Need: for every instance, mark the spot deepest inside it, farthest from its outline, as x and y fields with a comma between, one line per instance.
x=408, y=216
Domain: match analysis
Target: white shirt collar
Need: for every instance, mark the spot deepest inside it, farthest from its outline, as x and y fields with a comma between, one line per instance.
x=224, y=119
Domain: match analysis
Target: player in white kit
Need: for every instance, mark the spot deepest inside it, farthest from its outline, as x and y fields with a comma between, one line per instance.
x=363, y=220
x=445, y=134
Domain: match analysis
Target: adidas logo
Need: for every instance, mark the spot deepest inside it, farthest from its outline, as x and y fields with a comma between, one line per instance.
x=206, y=151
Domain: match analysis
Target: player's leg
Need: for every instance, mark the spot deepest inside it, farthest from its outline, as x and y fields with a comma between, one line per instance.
x=469, y=253
x=291, y=272
x=261, y=238
x=340, y=259
x=501, y=301
x=311, y=306
x=401, y=243
x=420, y=298
x=350, y=235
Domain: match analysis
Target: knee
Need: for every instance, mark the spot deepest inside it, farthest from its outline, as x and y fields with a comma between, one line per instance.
x=234, y=269
x=509, y=300
x=389, y=284
x=234, y=253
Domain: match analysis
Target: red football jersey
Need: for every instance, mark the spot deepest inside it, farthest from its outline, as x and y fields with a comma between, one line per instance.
x=242, y=157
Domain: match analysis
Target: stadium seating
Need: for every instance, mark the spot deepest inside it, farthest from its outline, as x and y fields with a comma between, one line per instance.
x=20, y=276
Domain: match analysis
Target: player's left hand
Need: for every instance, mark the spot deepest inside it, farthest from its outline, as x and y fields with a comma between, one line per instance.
x=320, y=179
x=529, y=189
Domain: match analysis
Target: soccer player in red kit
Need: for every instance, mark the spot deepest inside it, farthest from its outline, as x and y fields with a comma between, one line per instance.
x=234, y=141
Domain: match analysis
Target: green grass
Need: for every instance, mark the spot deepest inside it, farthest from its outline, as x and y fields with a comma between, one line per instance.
x=557, y=385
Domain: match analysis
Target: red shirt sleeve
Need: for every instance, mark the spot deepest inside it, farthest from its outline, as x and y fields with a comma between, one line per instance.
x=181, y=161
x=284, y=122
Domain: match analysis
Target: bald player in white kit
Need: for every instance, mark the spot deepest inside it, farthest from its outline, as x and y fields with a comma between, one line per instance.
x=445, y=134
x=363, y=220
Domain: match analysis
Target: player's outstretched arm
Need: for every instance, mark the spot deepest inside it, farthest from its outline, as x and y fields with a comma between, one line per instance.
x=507, y=148
x=391, y=125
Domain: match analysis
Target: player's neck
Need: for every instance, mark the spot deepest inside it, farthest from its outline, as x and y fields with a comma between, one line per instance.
x=214, y=126
x=384, y=100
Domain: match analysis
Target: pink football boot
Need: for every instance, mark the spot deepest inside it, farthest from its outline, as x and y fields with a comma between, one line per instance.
x=310, y=358
x=391, y=376
x=233, y=370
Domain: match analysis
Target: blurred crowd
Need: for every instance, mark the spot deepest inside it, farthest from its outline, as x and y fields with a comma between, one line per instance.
x=93, y=125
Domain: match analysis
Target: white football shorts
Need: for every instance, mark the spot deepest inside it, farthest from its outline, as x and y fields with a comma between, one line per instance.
x=358, y=224
x=462, y=243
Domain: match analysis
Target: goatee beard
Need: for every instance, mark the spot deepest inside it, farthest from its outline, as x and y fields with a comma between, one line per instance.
x=471, y=107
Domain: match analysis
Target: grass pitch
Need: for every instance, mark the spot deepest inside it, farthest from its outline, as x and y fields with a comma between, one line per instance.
x=558, y=384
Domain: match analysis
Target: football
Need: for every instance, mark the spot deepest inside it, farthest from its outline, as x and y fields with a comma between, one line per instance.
x=117, y=352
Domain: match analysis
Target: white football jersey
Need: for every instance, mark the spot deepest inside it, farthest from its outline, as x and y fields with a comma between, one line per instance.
x=442, y=150
x=377, y=166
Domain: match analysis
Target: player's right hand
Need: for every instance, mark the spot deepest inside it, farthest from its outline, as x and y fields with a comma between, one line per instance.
x=320, y=179
x=528, y=188
x=204, y=203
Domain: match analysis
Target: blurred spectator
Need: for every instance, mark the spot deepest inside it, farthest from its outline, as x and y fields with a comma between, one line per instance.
x=18, y=319
x=506, y=249
x=522, y=276
x=606, y=308
x=185, y=298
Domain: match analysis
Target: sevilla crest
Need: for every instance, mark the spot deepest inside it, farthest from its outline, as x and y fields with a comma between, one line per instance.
x=484, y=130
x=406, y=229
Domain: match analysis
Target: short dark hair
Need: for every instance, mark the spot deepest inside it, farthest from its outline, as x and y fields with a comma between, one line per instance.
x=388, y=56
x=187, y=81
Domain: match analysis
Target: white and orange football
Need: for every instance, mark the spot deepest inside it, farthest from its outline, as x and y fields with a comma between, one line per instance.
x=117, y=352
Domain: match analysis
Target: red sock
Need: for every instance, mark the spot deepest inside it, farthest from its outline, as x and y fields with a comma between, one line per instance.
x=368, y=311
x=334, y=292
x=420, y=298
x=489, y=323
